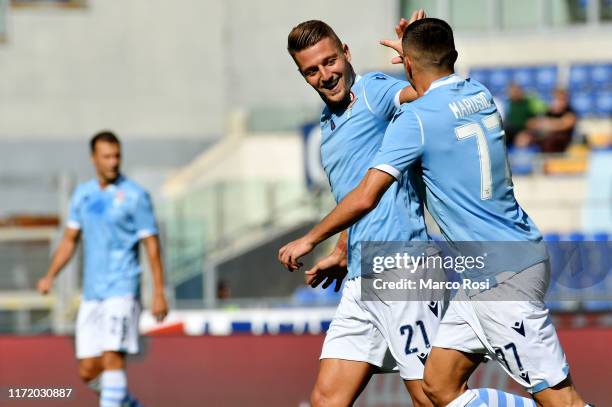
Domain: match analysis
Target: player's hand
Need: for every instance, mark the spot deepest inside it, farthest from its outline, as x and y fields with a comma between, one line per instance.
x=400, y=28
x=289, y=255
x=160, y=307
x=327, y=270
x=44, y=285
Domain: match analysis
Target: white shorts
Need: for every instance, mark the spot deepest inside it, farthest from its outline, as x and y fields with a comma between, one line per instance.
x=364, y=331
x=519, y=335
x=107, y=325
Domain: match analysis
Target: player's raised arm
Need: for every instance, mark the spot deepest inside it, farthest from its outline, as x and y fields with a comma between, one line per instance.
x=61, y=256
x=160, y=305
x=400, y=28
x=353, y=207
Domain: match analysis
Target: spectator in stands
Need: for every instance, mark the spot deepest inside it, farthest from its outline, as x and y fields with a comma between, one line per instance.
x=520, y=109
x=552, y=133
x=223, y=290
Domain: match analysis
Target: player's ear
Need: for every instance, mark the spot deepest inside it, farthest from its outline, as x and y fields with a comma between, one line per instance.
x=408, y=67
x=347, y=52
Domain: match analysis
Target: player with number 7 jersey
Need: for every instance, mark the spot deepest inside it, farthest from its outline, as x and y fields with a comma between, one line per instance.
x=452, y=137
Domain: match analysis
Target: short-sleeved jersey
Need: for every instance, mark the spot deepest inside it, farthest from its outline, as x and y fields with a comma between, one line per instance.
x=112, y=222
x=454, y=137
x=350, y=140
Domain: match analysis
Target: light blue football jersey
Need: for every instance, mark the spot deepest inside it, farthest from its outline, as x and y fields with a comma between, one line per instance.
x=112, y=221
x=350, y=140
x=454, y=138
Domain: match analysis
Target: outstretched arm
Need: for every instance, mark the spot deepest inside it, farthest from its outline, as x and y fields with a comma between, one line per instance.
x=62, y=255
x=353, y=207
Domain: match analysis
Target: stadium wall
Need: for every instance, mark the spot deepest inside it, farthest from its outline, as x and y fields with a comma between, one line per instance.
x=246, y=370
x=147, y=68
x=532, y=47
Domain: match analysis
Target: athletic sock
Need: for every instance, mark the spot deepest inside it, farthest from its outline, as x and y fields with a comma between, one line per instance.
x=130, y=401
x=494, y=397
x=114, y=388
x=469, y=398
x=94, y=384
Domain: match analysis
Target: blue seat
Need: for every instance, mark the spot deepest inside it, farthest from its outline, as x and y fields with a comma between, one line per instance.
x=481, y=75
x=601, y=75
x=525, y=77
x=583, y=103
x=546, y=78
x=522, y=159
x=603, y=103
x=499, y=79
x=580, y=77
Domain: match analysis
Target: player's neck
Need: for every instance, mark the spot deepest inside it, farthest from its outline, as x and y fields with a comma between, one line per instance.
x=104, y=182
x=427, y=78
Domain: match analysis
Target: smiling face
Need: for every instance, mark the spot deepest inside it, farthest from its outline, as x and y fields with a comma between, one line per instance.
x=326, y=67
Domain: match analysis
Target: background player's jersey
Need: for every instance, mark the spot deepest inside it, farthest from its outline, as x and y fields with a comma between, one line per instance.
x=350, y=140
x=454, y=132
x=112, y=222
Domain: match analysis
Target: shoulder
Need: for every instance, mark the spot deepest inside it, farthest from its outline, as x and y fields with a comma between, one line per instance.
x=83, y=189
x=377, y=79
x=406, y=112
x=134, y=188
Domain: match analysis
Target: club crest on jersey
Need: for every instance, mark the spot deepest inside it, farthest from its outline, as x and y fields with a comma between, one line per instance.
x=519, y=327
x=119, y=198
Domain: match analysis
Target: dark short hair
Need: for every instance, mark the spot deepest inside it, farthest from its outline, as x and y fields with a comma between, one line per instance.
x=432, y=44
x=106, y=136
x=308, y=33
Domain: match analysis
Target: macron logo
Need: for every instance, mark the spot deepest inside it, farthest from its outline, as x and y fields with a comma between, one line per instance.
x=398, y=114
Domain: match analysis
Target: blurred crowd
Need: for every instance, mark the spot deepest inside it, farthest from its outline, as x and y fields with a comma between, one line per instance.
x=530, y=123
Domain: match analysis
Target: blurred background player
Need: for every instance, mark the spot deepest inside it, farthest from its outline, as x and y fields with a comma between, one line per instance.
x=113, y=215
x=356, y=114
x=449, y=112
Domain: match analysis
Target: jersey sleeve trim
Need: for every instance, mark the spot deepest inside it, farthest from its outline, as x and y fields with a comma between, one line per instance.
x=421, y=127
x=389, y=170
x=396, y=99
x=73, y=224
x=144, y=233
x=365, y=97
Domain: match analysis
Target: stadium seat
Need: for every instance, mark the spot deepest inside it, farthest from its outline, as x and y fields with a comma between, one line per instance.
x=525, y=77
x=481, y=75
x=499, y=79
x=583, y=103
x=601, y=76
x=580, y=77
x=522, y=159
x=546, y=78
x=603, y=103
